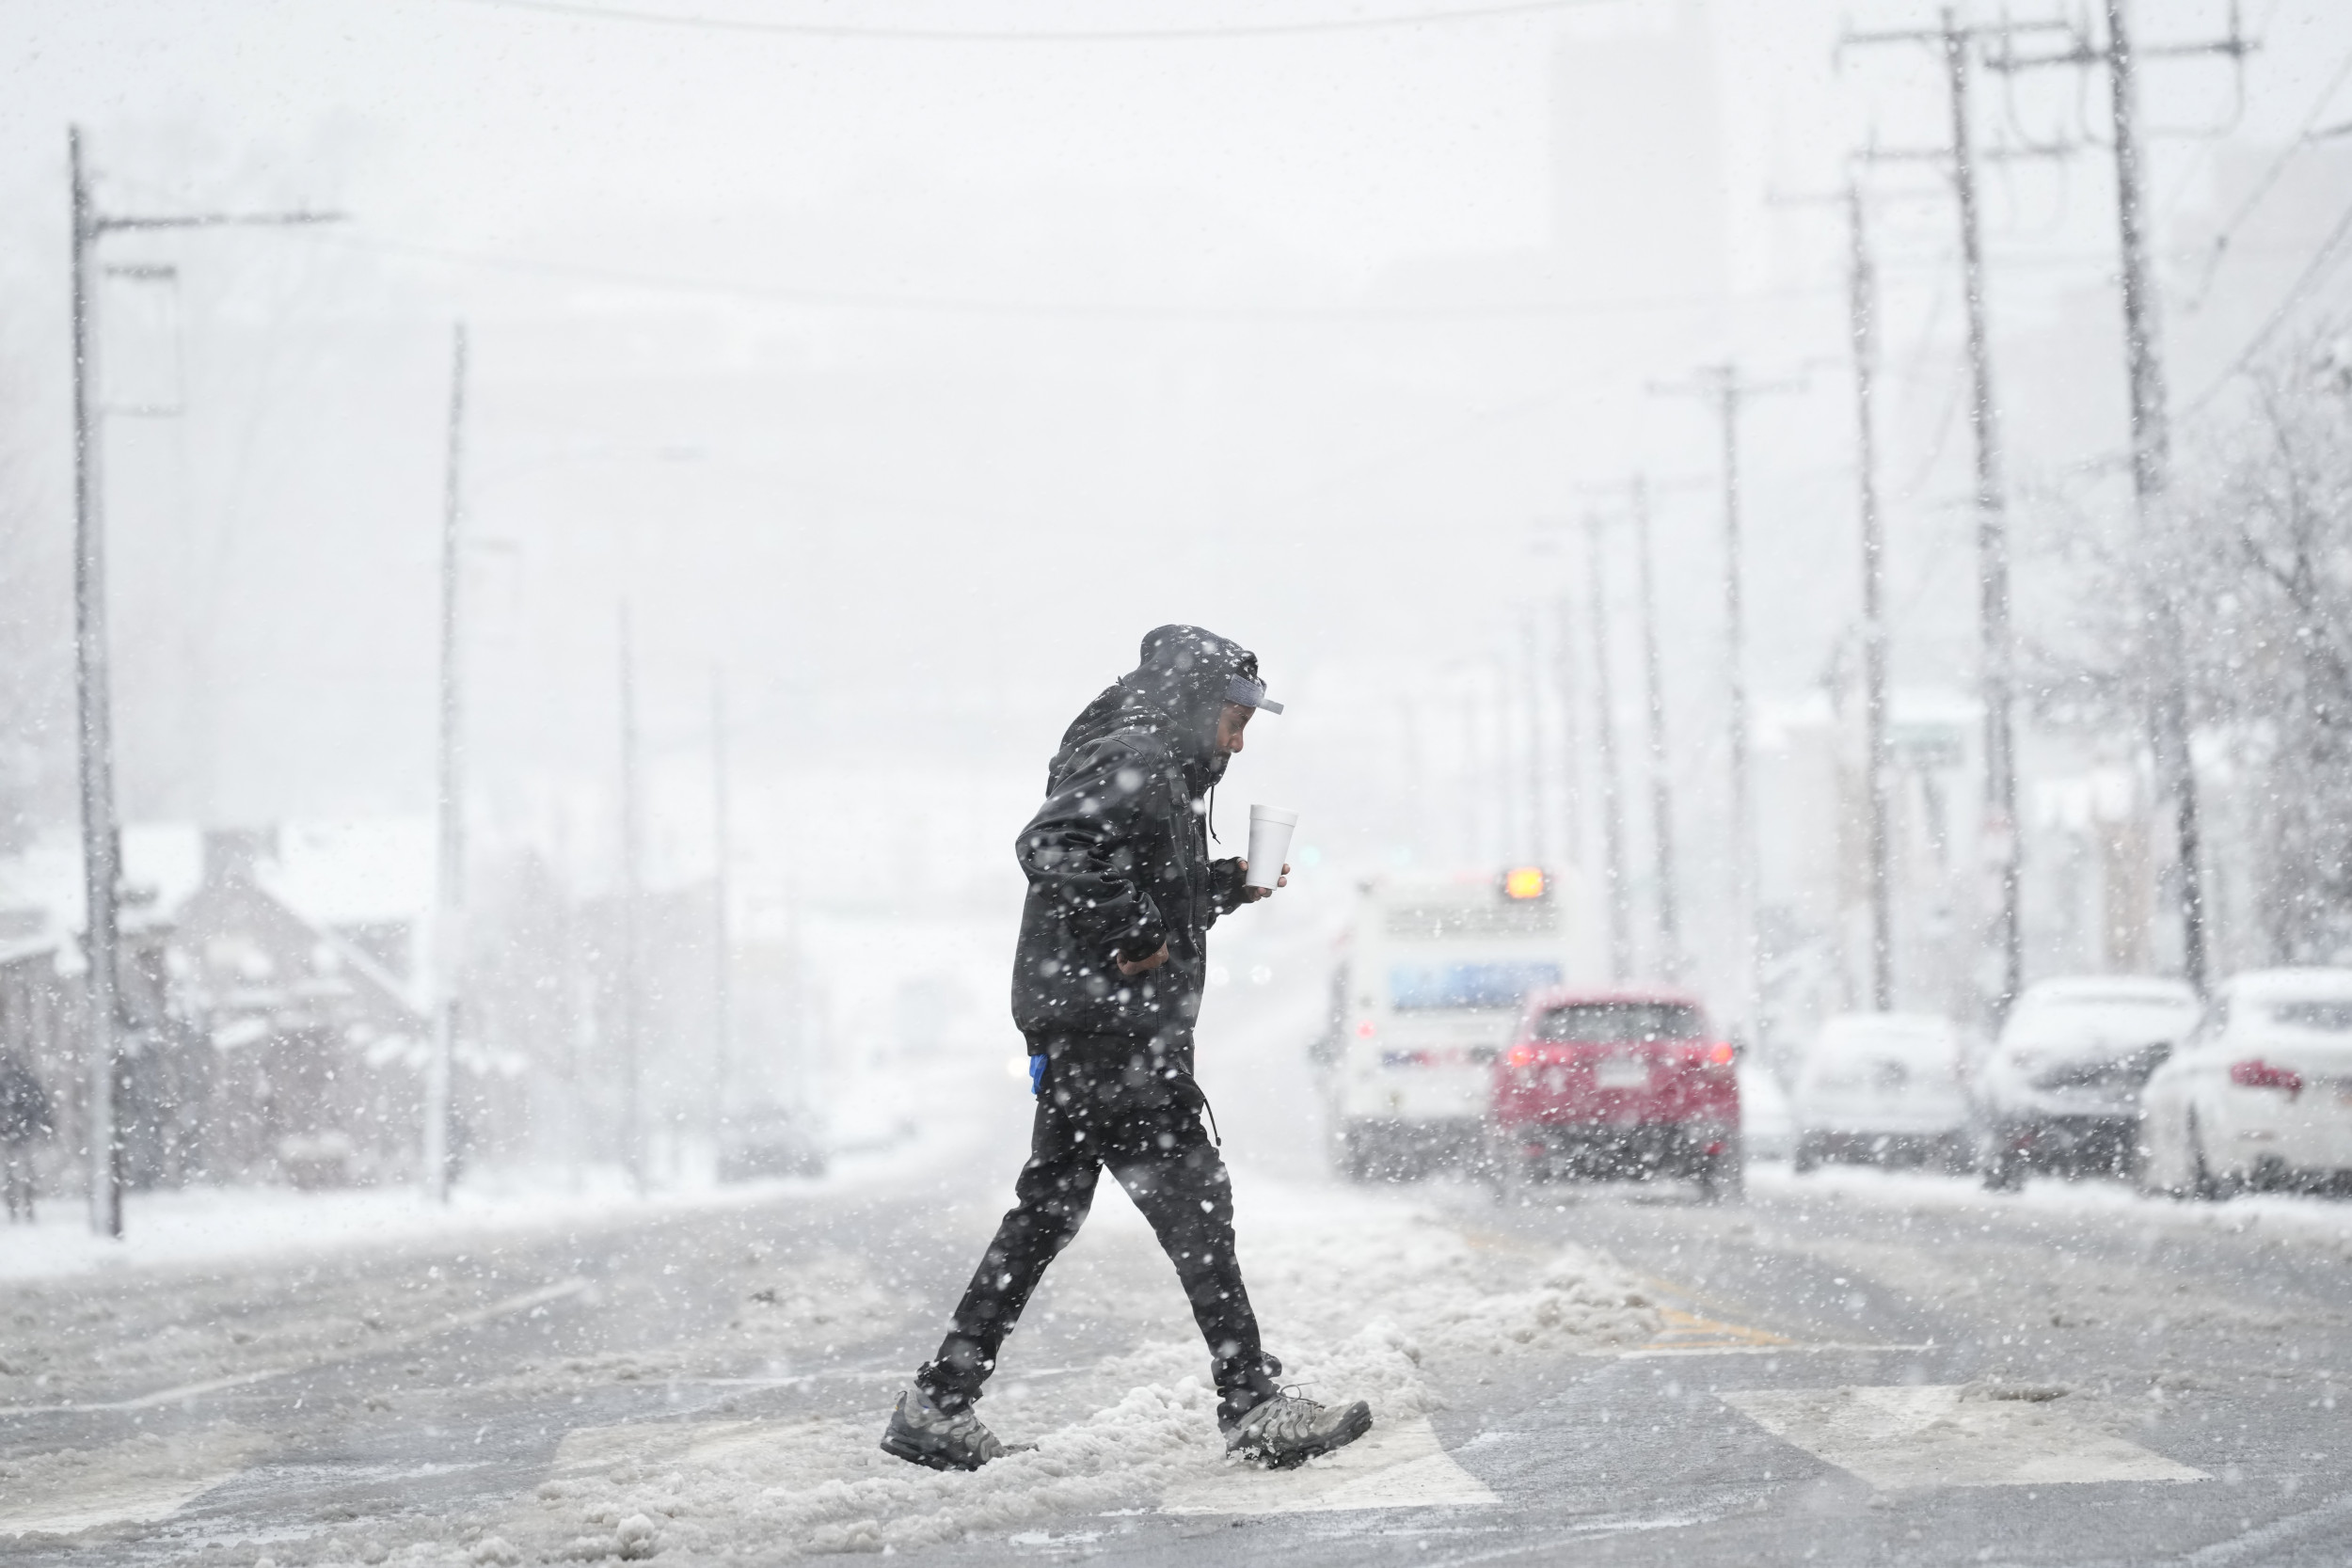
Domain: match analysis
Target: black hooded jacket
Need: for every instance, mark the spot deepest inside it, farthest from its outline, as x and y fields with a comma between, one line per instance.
x=1118, y=856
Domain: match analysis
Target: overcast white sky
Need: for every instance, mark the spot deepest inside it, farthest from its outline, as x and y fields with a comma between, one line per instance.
x=905, y=479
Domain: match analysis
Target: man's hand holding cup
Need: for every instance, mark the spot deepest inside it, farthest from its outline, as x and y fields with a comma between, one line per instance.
x=1250, y=892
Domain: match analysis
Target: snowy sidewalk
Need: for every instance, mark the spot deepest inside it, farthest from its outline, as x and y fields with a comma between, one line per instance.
x=926, y=1126
x=2301, y=1217
x=202, y=1225
x=211, y=1225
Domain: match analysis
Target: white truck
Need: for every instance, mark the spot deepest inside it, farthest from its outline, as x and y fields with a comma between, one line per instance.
x=1428, y=989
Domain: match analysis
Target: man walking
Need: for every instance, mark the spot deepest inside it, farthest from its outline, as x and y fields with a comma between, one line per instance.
x=1105, y=986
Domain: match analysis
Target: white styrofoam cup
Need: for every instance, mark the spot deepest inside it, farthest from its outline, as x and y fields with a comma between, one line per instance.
x=1270, y=829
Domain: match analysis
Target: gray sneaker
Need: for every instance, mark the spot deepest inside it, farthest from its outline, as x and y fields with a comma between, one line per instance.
x=922, y=1434
x=1286, y=1431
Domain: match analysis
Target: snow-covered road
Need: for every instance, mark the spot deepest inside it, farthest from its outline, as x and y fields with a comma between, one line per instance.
x=1857, y=1367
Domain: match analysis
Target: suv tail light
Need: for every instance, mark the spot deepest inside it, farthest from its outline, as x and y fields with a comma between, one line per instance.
x=1712, y=1061
x=2258, y=1074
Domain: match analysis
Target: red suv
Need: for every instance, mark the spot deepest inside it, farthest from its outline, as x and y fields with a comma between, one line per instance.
x=1616, y=1083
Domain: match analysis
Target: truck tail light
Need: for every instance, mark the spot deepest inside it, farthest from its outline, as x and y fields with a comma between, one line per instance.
x=1721, y=1055
x=2255, y=1073
x=1520, y=1057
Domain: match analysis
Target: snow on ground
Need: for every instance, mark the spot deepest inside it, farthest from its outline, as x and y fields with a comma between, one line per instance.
x=209, y=1225
x=795, y=1315
x=1362, y=1296
x=930, y=1125
x=2289, y=1215
x=206, y=1224
x=142, y=1478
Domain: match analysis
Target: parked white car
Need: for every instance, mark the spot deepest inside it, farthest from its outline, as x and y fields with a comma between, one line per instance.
x=1885, y=1089
x=2060, y=1090
x=2260, y=1093
x=1768, y=1123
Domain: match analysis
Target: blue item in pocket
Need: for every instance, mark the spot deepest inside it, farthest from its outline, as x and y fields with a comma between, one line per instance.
x=1037, y=1073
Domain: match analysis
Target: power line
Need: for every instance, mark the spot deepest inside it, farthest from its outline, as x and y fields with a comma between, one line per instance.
x=1030, y=310
x=2196, y=166
x=2219, y=250
x=570, y=10
x=2321, y=261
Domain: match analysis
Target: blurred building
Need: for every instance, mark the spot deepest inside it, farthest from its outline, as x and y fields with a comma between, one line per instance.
x=259, y=1041
x=2091, y=842
x=314, y=1051
x=1813, y=857
x=44, y=1026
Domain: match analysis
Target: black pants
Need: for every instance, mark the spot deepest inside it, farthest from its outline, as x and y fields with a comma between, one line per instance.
x=1120, y=1105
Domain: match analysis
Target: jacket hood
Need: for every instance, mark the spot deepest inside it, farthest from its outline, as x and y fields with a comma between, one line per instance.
x=1177, y=689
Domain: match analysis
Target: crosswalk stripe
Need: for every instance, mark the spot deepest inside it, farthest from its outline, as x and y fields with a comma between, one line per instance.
x=1644, y=1352
x=137, y=1481
x=1398, y=1465
x=1911, y=1436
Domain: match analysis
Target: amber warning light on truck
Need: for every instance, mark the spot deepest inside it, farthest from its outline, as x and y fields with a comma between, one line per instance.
x=1525, y=882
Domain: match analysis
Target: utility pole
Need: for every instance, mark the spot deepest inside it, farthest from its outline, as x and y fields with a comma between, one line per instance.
x=1605, y=719
x=1508, y=831
x=1531, y=661
x=1416, y=789
x=1475, y=800
x=2152, y=433
x=723, y=956
x=2000, y=738
x=1862, y=333
x=1661, y=777
x=2152, y=442
x=101, y=843
x=1571, y=733
x=632, y=1124
x=102, y=837
x=449, y=916
x=1723, y=387
x=1954, y=43
x=1862, y=308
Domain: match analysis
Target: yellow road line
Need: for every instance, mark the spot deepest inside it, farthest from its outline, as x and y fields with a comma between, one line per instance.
x=1689, y=1331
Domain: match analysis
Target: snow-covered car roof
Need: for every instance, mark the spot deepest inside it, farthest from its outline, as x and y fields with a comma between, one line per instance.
x=1601, y=996
x=2103, y=1010
x=2129, y=989
x=2285, y=985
